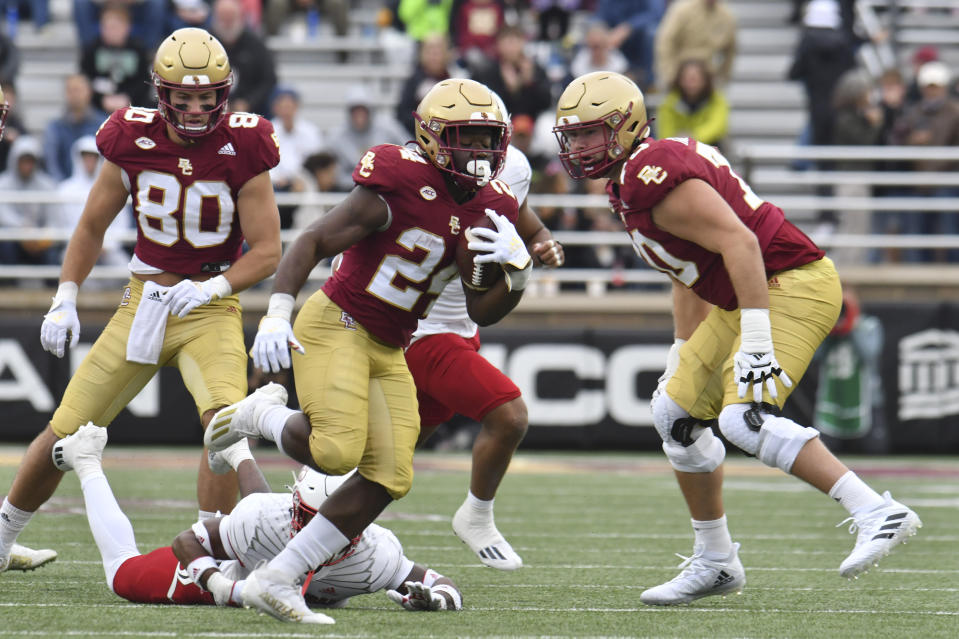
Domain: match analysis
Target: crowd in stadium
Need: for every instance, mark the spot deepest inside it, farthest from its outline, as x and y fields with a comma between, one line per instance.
x=680, y=53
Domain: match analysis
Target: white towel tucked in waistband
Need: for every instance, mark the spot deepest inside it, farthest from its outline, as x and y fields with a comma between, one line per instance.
x=149, y=326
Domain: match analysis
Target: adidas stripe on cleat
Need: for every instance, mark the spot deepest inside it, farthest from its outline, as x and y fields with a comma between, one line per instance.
x=700, y=577
x=879, y=532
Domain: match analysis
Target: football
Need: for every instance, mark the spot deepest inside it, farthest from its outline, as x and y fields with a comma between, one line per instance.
x=479, y=277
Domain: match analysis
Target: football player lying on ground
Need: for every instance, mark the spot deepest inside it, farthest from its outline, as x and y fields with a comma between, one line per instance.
x=218, y=553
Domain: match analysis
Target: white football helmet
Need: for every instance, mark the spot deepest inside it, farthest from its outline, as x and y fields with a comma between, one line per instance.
x=310, y=490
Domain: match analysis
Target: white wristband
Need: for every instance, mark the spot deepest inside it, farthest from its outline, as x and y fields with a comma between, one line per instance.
x=199, y=566
x=66, y=292
x=755, y=330
x=281, y=305
x=453, y=594
x=218, y=287
x=517, y=280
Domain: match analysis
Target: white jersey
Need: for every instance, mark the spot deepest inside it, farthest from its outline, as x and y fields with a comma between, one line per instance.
x=448, y=314
x=259, y=528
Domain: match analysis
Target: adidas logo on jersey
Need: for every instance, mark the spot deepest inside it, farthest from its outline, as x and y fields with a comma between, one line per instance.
x=227, y=149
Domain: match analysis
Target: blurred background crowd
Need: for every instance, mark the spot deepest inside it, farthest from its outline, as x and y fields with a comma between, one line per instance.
x=338, y=76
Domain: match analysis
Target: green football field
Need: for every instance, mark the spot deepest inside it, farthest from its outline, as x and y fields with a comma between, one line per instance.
x=593, y=530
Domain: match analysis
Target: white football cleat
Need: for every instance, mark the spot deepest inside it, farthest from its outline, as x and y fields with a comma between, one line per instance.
x=268, y=593
x=81, y=450
x=23, y=558
x=700, y=577
x=231, y=424
x=880, y=530
x=485, y=540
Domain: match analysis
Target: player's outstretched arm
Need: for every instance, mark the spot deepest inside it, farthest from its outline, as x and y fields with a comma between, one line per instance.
x=361, y=213
x=260, y=222
x=107, y=197
x=425, y=589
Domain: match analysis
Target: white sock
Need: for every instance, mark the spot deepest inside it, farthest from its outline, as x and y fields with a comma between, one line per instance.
x=273, y=421
x=315, y=544
x=854, y=495
x=203, y=515
x=713, y=536
x=111, y=529
x=480, y=510
x=88, y=470
x=12, y=522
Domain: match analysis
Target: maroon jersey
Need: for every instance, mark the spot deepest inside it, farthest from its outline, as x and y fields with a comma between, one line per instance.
x=184, y=197
x=157, y=578
x=390, y=279
x=654, y=169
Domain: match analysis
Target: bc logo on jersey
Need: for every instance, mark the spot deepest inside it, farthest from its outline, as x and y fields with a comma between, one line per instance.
x=651, y=173
x=454, y=225
x=185, y=166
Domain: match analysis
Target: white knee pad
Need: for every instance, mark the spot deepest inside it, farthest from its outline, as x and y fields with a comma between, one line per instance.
x=703, y=455
x=777, y=443
x=665, y=413
x=780, y=441
x=734, y=427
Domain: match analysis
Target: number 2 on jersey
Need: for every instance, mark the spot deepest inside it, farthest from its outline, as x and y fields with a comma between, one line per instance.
x=382, y=285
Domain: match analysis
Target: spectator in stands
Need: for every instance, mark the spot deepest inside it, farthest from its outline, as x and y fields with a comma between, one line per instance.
x=188, y=13
x=278, y=12
x=597, y=53
x=823, y=54
x=298, y=138
x=115, y=63
x=922, y=55
x=24, y=174
x=633, y=25
x=693, y=107
x=553, y=18
x=892, y=101
x=858, y=123
x=9, y=59
x=252, y=62
x=86, y=164
x=363, y=128
x=704, y=29
x=473, y=27
x=148, y=20
x=321, y=175
x=435, y=62
x=79, y=118
x=934, y=121
x=425, y=17
x=515, y=76
x=15, y=126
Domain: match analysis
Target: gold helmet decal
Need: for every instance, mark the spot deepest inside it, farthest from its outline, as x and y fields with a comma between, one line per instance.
x=191, y=60
x=601, y=98
x=449, y=109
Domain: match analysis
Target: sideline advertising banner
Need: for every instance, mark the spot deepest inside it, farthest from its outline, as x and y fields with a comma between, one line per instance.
x=586, y=389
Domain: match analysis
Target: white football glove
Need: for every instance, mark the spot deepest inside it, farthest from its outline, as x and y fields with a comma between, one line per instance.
x=61, y=324
x=418, y=597
x=223, y=461
x=755, y=363
x=186, y=295
x=504, y=245
x=272, y=344
x=274, y=337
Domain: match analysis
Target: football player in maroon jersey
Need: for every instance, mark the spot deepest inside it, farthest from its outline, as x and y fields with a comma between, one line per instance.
x=753, y=297
x=398, y=231
x=199, y=179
